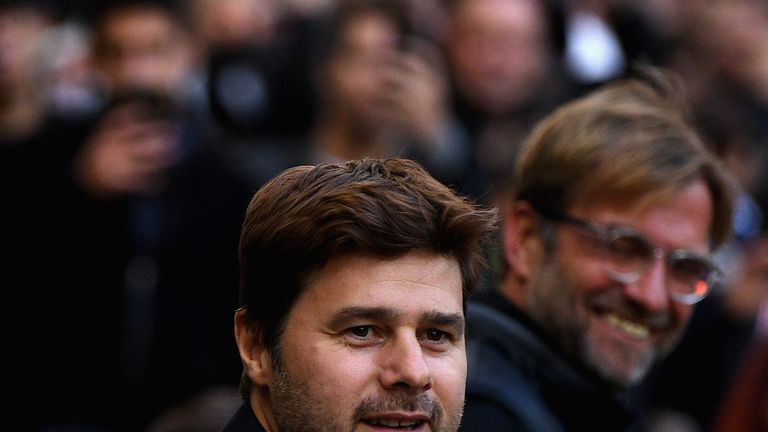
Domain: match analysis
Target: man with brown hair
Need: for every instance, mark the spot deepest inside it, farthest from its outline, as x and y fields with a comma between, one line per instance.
x=354, y=280
x=607, y=244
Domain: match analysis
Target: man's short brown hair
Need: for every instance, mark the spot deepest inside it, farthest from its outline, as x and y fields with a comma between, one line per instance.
x=628, y=142
x=375, y=207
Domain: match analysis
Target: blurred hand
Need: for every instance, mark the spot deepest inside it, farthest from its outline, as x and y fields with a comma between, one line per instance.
x=419, y=90
x=128, y=154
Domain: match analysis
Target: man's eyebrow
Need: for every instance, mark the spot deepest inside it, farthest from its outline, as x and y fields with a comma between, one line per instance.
x=354, y=313
x=382, y=314
x=443, y=319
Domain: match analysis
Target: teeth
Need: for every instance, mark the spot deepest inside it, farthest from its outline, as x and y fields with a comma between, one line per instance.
x=393, y=423
x=631, y=328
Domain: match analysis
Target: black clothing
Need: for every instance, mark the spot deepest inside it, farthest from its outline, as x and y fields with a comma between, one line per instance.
x=132, y=296
x=714, y=347
x=244, y=421
x=518, y=382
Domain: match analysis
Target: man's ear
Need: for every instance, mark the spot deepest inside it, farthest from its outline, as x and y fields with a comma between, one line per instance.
x=521, y=239
x=253, y=350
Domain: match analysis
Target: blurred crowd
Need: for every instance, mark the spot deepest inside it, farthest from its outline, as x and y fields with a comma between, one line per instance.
x=133, y=134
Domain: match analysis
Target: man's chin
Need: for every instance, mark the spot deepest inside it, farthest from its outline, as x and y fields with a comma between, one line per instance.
x=621, y=370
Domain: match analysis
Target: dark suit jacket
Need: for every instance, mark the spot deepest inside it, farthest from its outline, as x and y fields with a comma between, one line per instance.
x=244, y=421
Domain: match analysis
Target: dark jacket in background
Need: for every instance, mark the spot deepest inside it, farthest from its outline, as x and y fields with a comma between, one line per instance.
x=518, y=382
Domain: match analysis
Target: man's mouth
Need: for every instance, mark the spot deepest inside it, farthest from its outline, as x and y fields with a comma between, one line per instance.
x=395, y=424
x=631, y=328
x=404, y=422
x=399, y=412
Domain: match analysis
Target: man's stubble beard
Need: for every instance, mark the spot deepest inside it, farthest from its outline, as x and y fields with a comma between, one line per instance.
x=296, y=406
x=554, y=305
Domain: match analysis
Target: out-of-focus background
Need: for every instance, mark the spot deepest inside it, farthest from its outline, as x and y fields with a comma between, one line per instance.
x=133, y=133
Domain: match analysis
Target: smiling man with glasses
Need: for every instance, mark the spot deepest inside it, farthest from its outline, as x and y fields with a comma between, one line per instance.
x=607, y=243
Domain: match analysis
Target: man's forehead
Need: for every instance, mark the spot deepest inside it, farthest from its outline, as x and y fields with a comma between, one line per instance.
x=414, y=285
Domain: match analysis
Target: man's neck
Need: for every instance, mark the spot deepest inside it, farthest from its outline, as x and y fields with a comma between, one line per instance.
x=262, y=409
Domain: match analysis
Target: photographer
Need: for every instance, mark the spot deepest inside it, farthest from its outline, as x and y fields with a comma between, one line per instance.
x=147, y=237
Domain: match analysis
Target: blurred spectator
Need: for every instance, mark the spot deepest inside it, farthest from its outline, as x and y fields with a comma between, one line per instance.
x=383, y=92
x=722, y=47
x=377, y=90
x=506, y=75
x=145, y=244
x=231, y=23
x=258, y=81
x=22, y=28
x=36, y=140
x=500, y=52
x=725, y=61
x=27, y=89
x=147, y=58
x=735, y=35
x=144, y=44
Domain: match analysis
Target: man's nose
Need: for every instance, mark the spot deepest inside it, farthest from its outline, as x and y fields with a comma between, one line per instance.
x=404, y=365
x=650, y=290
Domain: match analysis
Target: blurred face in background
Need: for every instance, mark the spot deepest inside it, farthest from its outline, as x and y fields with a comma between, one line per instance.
x=20, y=32
x=735, y=32
x=358, y=72
x=231, y=23
x=144, y=47
x=498, y=52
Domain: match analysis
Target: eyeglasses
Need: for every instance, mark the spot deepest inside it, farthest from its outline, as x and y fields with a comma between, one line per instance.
x=629, y=255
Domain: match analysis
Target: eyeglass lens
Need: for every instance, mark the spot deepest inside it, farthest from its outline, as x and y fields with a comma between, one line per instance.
x=631, y=255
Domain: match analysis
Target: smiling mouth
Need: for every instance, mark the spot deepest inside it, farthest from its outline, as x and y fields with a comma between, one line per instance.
x=629, y=327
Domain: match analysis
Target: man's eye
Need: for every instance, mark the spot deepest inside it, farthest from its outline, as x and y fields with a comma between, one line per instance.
x=435, y=335
x=361, y=331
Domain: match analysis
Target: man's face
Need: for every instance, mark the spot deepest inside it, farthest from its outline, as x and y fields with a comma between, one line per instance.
x=21, y=30
x=144, y=48
x=618, y=330
x=360, y=72
x=374, y=345
x=498, y=51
